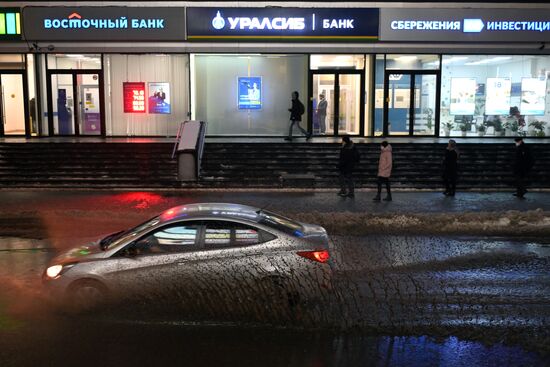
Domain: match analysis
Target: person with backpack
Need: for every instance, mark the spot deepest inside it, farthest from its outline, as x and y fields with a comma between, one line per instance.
x=349, y=157
x=523, y=163
x=296, y=112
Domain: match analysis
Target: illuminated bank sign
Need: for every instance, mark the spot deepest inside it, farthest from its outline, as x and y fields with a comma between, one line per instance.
x=278, y=24
x=104, y=23
x=482, y=25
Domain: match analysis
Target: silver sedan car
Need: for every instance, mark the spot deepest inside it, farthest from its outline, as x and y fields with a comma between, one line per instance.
x=203, y=253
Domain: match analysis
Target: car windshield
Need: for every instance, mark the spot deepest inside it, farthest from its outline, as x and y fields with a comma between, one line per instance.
x=280, y=223
x=114, y=238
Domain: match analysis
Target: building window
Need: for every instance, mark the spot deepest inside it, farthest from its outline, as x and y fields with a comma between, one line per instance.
x=412, y=62
x=224, y=95
x=12, y=61
x=319, y=62
x=166, y=83
x=379, y=67
x=76, y=61
x=495, y=95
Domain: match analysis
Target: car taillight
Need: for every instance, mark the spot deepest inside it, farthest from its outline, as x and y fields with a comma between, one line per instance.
x=319, y=256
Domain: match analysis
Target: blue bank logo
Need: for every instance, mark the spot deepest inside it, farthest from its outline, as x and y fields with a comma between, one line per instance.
x=218, y=22
x=473, y=25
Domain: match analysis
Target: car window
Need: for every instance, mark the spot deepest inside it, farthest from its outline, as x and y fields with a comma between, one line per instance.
x=112, y=240
x=226, y=234
x=217, y=234
x=280, y=223
x=173, y=238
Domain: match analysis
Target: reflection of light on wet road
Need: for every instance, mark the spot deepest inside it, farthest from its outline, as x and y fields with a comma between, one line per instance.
x=138, y=200
x=395, y=285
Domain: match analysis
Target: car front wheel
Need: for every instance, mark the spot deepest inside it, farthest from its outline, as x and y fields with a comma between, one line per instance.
x=86, y=294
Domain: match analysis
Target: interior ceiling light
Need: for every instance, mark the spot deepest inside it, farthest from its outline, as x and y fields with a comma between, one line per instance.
x=489, y=60
x=406, y=58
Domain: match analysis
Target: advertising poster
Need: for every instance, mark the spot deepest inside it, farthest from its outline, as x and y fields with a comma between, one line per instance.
x=250, y=92
x=159, y=97
x=134, y=97
x=499, y=91
x=533, y=96
x=463, y=91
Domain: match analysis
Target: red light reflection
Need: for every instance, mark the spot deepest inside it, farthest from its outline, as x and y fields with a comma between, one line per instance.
x=139, y=200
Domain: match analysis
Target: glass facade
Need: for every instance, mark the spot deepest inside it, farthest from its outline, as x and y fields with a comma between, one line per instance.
x=249, y=94
x=495, y=95
x=319, y=62
x=167, y=93
x=220, y=85
x=412, y=62
x=406, y=95
x=74, y=61
x=74, y=102
x=17, y=95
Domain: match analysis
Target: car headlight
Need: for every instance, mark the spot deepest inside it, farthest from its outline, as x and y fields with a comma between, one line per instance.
x=56, y=270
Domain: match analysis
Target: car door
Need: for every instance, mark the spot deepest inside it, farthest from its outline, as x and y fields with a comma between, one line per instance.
x=230, y=259
x=151, y=267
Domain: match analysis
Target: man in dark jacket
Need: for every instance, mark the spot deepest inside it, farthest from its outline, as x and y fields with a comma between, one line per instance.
x=523, y=163
x=296, y=112
x=450, y=168
x=349, y=157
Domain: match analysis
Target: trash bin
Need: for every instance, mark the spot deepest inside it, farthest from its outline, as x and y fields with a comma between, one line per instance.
x=189, y=149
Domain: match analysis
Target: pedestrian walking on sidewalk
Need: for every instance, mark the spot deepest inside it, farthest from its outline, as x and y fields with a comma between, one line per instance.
x=450, y=168
x=296, y=112
x=523, y=163
x=349, y=157
x=384, y=170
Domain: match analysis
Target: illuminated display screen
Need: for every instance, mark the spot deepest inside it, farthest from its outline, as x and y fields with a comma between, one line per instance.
x=498, y=96
x=134, y=97
x=463, y=91
x=533, y=96
x=250, y=93
x=159, y=97
x=10, y=24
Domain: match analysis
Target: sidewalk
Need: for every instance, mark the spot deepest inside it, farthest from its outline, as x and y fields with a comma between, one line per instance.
x=279, y=201
x=68, y=217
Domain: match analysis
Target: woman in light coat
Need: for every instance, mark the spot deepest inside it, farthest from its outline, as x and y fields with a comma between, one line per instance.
x=384, y=170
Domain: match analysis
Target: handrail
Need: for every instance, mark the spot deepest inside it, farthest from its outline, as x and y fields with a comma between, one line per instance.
x=200, y=146
x=177, y=143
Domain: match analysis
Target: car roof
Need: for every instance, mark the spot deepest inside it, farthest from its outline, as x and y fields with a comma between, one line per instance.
x=213, y=210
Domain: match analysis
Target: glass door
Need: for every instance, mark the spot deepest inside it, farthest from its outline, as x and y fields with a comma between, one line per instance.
x=12, y=104
x=62, y=110
x=349, y=103
x=89, y=116
x=76, y=103
x=398, y=104
x=425, y=99
x=336, y=101
x=410, y=103
x=323, y=100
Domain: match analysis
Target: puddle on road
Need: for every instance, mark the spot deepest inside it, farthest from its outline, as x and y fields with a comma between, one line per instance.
x=479, y=290
x=132, y=344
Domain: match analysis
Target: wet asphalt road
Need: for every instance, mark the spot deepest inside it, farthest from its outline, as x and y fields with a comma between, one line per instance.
x=425, y=301
x=280, y=201
x=399, y=301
